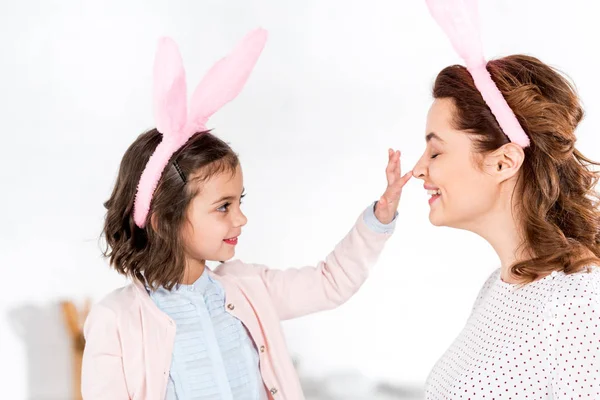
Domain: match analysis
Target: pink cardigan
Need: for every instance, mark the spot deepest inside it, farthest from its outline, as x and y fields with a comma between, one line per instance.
x=129, y=341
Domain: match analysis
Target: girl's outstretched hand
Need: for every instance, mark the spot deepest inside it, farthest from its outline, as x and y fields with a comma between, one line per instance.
x=386, y=207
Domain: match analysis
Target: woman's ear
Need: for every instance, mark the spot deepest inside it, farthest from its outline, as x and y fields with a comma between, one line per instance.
x=505, y=162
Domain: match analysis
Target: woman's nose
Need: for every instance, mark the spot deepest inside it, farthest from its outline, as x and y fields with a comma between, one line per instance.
x=420, y=170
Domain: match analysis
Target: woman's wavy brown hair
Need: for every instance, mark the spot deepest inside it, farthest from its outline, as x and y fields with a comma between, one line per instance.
x=155, y=253
x=556, y=190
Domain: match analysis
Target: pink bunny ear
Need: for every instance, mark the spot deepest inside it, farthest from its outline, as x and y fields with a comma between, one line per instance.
x=170, y=114
x=220, y=85
x=170, y=92
x=224, y=81
x=459, y=19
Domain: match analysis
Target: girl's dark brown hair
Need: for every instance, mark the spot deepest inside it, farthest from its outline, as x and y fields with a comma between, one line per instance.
x=556, y=190
x=155, y=253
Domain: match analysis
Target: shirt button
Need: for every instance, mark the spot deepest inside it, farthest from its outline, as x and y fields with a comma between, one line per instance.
x=230, y=306
x=262, y=349
x=273, y=391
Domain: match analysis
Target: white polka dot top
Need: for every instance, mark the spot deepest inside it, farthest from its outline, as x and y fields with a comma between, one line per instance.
x=539, y=341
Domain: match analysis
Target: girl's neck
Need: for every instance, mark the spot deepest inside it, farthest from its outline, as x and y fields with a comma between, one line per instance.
x=194, y=270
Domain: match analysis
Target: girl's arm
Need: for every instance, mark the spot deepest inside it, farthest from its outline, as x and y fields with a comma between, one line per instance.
x=297, y=292
x=102, y=376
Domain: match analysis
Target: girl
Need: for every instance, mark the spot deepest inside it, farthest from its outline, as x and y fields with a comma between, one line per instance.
x=179, y=330
x=501, y=162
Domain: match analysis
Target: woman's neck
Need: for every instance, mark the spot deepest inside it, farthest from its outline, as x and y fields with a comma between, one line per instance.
x=503, y=233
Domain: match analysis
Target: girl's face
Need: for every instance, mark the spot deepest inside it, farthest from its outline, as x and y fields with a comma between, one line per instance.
x=215, y=219
x=463, y=194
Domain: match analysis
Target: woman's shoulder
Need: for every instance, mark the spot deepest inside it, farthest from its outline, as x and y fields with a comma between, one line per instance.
x=580, y=286
x=489, y=282
x=574, y=303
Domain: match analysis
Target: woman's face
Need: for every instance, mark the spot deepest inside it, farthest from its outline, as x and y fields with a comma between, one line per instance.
x=463, y=192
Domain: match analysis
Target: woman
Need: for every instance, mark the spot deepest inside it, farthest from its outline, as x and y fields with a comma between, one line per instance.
x=534, y=332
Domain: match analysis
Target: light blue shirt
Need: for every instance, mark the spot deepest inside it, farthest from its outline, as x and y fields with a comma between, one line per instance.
x=214, y=357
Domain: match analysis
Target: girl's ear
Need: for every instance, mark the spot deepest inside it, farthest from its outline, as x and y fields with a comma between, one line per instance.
x=154, y=222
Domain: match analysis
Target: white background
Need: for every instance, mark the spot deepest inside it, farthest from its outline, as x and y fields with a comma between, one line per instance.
x=339, y=82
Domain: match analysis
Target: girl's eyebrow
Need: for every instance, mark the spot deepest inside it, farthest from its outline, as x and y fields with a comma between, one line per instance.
x=228, y=198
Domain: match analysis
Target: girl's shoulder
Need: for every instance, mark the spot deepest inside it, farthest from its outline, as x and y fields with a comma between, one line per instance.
x=238, y=269
x=120, y=300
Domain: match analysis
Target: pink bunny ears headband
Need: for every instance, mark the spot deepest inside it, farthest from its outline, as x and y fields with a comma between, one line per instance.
x=460, y=21
x=221, y=84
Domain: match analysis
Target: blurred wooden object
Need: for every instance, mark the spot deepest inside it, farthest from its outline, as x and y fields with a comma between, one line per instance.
x=74, y=319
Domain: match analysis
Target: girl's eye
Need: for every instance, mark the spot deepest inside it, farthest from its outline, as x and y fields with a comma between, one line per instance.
x=224, y=207
x=434, y=156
